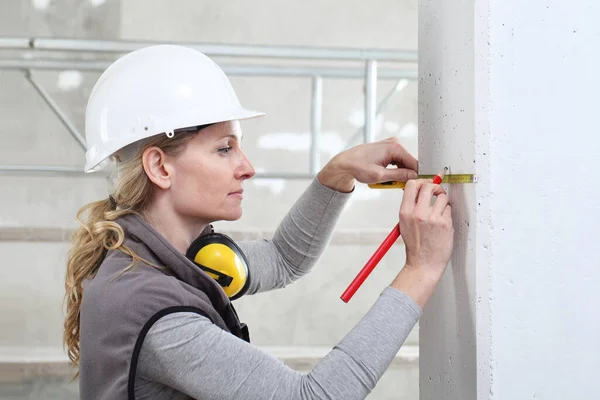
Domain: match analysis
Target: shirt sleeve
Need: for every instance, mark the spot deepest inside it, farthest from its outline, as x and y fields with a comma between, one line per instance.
x=188, y=353
x=298, y=242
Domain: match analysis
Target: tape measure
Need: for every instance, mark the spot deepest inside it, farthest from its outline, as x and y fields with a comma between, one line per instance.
x=450, y=178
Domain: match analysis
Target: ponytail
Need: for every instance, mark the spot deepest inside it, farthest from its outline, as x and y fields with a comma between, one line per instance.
x=98, y=234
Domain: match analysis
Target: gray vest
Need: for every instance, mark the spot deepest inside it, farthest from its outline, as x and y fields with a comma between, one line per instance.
x=116, y=314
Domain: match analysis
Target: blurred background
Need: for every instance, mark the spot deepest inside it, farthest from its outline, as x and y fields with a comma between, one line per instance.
x=316, y=68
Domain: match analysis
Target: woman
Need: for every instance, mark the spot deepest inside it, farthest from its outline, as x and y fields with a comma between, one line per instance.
x=146, y=322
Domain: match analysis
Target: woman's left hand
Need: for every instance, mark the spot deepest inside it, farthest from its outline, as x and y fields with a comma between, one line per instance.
x=367, y=163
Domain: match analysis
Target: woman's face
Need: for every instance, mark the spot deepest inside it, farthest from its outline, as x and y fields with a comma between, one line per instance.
x=209, y=173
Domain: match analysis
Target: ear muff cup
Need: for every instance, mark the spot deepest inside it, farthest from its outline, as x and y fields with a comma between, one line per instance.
x=222, y=259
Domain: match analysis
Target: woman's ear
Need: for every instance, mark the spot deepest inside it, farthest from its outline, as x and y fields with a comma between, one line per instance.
x=154, y=162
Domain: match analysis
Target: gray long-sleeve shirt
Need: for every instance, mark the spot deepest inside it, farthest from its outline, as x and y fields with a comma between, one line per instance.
x=185, y=355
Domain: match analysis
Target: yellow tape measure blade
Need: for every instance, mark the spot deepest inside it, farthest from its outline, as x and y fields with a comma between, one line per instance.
x=452, y=178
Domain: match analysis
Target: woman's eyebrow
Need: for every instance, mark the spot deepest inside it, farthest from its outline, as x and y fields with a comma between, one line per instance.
x=232, y=136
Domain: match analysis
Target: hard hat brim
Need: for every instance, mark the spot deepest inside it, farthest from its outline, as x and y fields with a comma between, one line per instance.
x=98, y=161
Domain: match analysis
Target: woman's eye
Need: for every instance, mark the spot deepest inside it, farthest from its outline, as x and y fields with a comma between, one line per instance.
x=225, y=150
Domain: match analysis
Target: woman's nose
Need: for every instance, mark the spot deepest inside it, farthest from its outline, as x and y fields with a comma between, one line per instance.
x=245, y=169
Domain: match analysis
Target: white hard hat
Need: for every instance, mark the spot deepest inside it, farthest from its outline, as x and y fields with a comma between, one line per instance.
x=153, y=90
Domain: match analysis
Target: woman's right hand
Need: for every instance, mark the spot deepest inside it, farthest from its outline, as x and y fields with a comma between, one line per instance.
x=426, y=228
x=428, y=236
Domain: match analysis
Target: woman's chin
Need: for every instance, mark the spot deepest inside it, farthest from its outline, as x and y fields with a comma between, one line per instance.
x=233, y=215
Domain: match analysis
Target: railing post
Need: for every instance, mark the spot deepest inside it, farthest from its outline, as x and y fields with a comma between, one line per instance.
x=370, y=99
x=315, y=123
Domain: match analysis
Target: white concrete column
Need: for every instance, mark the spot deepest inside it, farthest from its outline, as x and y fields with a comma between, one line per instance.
x=508, y=90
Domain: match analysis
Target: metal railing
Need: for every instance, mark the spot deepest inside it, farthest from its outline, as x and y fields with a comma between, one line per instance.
x=234, y=50
x=61, y=53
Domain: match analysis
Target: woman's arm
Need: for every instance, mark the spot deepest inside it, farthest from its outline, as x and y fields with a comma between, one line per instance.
x=299, y=240
x=305, y=231
x=185, y=351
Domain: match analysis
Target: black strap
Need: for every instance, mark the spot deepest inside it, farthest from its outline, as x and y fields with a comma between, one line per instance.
x=222, y=279
x=245, y=333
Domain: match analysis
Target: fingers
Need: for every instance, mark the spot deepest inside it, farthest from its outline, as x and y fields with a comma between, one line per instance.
x=398, y=174
x=411, y=191
x=418, y=194
x=426, y=194
x=401, y=157
x=447, y=214
x=439, y=207
x=424, y=200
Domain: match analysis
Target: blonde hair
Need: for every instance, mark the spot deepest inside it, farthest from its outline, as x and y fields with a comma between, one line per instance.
x=100, y=233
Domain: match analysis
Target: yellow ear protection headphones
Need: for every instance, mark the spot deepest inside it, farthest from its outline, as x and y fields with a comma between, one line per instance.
x=222, y=259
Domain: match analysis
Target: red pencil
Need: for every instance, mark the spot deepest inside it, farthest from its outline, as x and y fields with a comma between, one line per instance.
x=380, y=252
